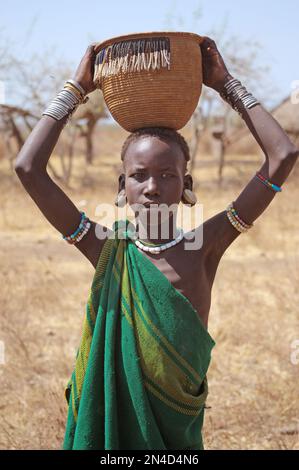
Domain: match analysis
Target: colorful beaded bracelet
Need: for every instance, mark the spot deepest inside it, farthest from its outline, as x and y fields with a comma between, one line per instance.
x=234, y=213
x=236, y=220
x=80, y=232
x=236, y=224
x=274, y=187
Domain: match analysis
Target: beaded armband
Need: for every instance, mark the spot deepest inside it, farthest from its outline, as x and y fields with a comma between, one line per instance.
x=81, y=231
x=236, y=220
x=266, y=182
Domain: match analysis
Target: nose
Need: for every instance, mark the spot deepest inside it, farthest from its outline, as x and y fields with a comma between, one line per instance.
x=152, y=188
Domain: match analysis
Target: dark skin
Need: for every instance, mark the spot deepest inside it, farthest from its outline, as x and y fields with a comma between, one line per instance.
x=155, y=173
x=191, y=272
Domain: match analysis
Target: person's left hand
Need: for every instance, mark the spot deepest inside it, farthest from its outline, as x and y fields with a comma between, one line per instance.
x=85, y=70
x=215, y=73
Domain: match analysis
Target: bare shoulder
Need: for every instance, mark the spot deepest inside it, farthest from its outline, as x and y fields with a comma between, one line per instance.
x=92, y=244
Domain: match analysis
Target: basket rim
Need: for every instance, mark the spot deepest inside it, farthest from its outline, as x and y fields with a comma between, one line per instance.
x=199, y=39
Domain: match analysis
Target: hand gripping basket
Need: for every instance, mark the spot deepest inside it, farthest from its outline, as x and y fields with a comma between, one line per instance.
x=150, y=79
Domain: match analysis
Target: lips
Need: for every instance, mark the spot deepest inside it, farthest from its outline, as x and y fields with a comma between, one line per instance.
x=149, y=204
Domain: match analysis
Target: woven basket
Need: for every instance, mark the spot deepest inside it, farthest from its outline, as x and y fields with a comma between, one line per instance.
x=150, y=79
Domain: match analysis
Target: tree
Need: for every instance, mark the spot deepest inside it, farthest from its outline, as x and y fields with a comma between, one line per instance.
x=41, y=80
x=242, y=58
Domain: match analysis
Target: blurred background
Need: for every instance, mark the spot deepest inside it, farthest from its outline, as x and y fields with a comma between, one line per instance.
x=44, y=283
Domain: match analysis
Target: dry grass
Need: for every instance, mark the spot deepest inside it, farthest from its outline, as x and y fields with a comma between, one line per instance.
x=254, y=318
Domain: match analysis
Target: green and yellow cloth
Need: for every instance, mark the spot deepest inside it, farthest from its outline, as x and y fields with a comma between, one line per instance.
x=139, y=380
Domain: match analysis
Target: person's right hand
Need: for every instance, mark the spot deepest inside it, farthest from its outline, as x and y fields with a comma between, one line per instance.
x=85, y=70
x=215, y=72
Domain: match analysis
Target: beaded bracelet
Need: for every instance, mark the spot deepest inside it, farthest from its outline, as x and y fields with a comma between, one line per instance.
x=81, y=231
x=274, y=187
x=236, y=220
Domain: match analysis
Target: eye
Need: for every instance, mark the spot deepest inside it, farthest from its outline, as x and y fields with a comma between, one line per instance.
x=138, y=175
x=167, y=175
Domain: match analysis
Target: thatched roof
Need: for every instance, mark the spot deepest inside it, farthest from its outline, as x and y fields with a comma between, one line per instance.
x=286, y=113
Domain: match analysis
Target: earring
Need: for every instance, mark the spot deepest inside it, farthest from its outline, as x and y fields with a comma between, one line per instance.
x=189, y=197
x=121, y=199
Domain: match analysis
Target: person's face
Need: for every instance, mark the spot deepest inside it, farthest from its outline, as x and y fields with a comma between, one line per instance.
x=154, y=171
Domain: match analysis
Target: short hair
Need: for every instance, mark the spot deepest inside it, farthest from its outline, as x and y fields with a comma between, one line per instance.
x=161, y=133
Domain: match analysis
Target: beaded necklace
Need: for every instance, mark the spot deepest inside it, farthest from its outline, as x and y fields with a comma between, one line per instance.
x=156, y=249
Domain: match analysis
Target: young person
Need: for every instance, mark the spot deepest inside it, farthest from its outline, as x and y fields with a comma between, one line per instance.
x=139, y=380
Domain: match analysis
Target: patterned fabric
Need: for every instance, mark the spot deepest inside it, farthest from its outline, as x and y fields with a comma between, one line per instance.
x=139, y=380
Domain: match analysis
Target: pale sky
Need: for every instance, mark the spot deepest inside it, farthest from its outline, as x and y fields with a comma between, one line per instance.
x=71, y=25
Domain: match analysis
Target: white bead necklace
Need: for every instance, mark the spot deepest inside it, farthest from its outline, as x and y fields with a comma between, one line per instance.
x=155, y=250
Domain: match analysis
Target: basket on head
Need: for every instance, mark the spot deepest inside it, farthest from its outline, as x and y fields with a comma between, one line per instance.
x=150, y=79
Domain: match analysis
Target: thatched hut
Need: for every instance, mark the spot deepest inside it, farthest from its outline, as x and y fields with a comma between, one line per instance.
x=286, y=113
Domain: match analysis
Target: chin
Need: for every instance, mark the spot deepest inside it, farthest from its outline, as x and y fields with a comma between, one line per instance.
x=154, y=216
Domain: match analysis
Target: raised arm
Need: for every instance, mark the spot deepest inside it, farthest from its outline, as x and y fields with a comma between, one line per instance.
x=280, y=153
x=31, y=168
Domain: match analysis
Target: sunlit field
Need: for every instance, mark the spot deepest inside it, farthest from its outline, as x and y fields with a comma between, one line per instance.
x=253, y=398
